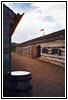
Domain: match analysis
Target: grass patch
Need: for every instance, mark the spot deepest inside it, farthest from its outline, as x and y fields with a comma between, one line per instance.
x=13, y=50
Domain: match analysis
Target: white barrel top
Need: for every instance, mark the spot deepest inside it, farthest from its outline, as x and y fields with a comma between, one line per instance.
x=19, y=73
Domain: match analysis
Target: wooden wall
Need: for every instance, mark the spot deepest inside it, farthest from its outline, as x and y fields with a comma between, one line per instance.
x=7, y=20
x=52, y=48
x=26, y=50
x=54, y=52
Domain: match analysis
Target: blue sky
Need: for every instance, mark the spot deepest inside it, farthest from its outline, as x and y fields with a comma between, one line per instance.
x=25, y=6
x=48, y=15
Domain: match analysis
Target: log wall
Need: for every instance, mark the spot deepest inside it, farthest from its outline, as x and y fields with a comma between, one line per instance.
x=51, y=51
x=54, y=57
x=58, y=58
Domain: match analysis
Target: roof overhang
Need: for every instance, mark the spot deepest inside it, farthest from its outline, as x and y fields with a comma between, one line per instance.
x=16, y=18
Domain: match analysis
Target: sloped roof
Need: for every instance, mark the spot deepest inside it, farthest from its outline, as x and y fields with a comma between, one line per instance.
x=9, y=11
x=58, y=35
x=16, y=17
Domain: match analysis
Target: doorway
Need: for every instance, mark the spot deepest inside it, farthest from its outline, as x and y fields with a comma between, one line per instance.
x=38, y=51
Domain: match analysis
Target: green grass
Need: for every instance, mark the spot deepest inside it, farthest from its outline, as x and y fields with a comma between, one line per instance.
x=13, y=50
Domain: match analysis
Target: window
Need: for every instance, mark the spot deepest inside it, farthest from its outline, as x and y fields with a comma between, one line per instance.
x=44, y=50
x=56, y=51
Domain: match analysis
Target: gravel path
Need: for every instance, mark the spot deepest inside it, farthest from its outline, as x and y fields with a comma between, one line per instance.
x=48, y=79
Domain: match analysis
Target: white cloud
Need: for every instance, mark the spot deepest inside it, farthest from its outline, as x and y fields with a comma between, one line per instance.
x=54, y=9
x=28, y=28
x=49, y=15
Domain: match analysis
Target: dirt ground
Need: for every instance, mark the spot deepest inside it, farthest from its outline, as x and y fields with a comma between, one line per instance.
x=48, y=79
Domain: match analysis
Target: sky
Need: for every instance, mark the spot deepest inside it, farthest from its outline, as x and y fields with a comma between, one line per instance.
x=50, y=16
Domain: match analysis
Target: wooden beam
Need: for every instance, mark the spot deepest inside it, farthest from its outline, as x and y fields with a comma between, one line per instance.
x=53, y=56
x=54, y=62
x=55, y=59
x=16, y=22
